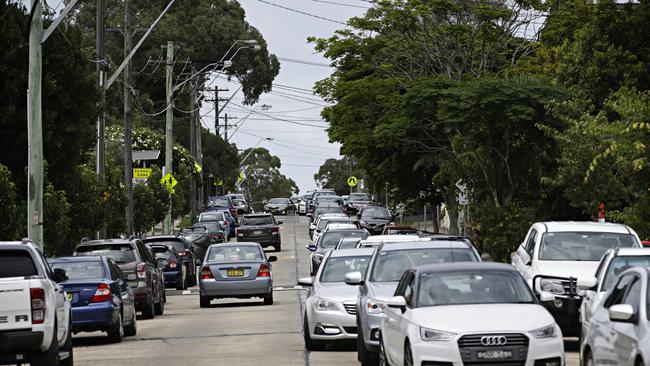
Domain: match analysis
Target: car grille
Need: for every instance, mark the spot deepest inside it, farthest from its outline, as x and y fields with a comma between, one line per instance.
x=351, y=308
x=469, y=345
x=350, y=330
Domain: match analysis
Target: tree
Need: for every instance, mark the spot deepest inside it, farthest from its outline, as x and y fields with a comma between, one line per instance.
x=263, y=179
x=8, y=206
x=334, y=174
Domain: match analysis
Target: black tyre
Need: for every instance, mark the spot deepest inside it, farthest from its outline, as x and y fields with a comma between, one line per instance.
x=49, y=357
x=67, y=347
x=366, y=357
x=160, y=306
x=589, y=360
x=148, y=312
x=408, y=355
x=310, y=344
x=116, y=331
x=277, y=247
x=131, y=329
x=383, y=361
x=268, y=299
x=183, y=284
x=204, y=301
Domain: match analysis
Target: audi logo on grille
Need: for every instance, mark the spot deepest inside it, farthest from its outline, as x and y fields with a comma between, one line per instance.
x=494, y=340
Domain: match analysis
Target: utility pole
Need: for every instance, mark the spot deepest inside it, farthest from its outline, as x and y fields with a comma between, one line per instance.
x=101, y=110
x=216, y=110
x=128, y=143
x=169, y=70
x=193, y=133
x=225, y=127
x=35, y=128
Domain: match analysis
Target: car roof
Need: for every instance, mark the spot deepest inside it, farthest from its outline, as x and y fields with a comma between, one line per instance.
x=465, y=266
x=630, y=252
x=426, y=244
x=352, y=252
x=330, y=230
x=585, y=226
x=262, y=214
x=236, y=244
x=105, y=241
x=391, y=238
x=162, y=238
x=85, y=258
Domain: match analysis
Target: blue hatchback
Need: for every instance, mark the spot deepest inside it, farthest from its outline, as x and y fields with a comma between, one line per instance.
x=100, y=296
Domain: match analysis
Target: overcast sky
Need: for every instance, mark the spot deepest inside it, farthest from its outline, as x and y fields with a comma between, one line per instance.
x=302, y=149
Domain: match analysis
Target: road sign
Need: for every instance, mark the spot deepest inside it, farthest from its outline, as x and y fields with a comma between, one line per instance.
x=352, y=181
x=169, y=181
x=141, y=173
x=241, y=177
x=198, y=168
x=220, y=182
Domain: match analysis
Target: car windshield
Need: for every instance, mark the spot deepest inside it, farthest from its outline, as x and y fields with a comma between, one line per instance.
x=257, y=220
x=359, y=197
x=81, y=270
x=337, y=267
x=390, y=264
x=234, y=253
x=582, y=246
x=278, y=201
x=331, y=238
x=348, y=244
x=210, y=217
x=16, y=263
x=376, y=213
x=220, y=203
x=120, y=253
x=210, y=225
x=473, y=287
x=170, y=243
x=619, y=264
x=323, y=210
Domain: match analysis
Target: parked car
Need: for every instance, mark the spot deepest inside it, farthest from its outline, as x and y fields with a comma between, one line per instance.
x=241, y=203
x=466, y=314
x=327, y=217
x=215, y=231
x=236, y=270
x=199, y=240
x=399, y=230
x=171, y=264
x=562, y=257
x=330, y=307
x=613, y=263
x=35, y=312
x=220, y=203
x=375, y=218
x=325, y=209
x=327, y=242
x=619, y=330
x=184, y=250
x=347, y=243
x=279, y=206
x=312, y=199
x=101, y=297
x=260, y=228
x=133, y=257
x=379, y=283
x=357, y=201
x=224, y=217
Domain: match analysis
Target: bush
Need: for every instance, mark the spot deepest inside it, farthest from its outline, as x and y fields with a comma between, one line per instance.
x=56, y=227
x=9, y=211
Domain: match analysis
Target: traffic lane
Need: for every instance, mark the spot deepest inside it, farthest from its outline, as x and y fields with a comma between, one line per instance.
x=230, y=332
x=345, y=354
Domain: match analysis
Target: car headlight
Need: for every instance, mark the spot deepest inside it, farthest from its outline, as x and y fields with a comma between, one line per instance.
x=433, y=335
x=374, y=307
x=363, y=223
x=552, y=286
x=321, y=304
x=544, y=332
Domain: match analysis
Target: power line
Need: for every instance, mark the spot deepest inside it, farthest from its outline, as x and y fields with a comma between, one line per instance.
x=303, y=13
x=296, y=61
x=279, y=119
x=341, y=4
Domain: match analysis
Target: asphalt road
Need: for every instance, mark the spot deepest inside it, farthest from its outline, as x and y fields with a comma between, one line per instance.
x=231, y=332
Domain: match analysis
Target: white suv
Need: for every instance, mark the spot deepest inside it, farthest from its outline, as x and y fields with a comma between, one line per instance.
x=35, y=313
x=562, y=257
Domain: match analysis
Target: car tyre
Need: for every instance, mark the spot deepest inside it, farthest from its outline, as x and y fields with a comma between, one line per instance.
x=366, y=357
x=383, y=361
x=49, y=357
x=277, y=247
x=408, y=355
x=310, y=344
x=160, y=306
x=268, y=299
x=116, y=331
x=149, y=312
x=183, y=284
x=588, y=360
x=131, y=329
x=67, y=347
x=204, y=301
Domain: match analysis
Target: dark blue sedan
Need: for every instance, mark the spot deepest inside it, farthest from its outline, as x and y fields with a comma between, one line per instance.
x=171, y=264
x=100, y=296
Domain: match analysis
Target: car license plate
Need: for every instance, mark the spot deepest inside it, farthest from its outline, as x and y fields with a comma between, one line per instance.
x=69, y=295
x=235, y=272
x=493, y=354
x=257, y=232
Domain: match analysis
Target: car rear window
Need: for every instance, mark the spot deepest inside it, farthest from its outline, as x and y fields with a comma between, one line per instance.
x=234, y=254
x=210, y=217
x=16, y=263
x=81, y=270
x=331, y=238
x=161, y=252
x=389, y=265
x=257, y=220
x=170, y=243
x=120, y=253
x=210, y=225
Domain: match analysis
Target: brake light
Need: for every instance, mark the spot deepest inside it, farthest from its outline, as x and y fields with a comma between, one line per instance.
x=37, y=297
x=274, y=231
x=102, y=294
x=141, y=270
x=206, y=273
x=264, y=271
x=240, y=232
x=233, y=211
x=183, y=253
x=173, y=264
x=226, y=224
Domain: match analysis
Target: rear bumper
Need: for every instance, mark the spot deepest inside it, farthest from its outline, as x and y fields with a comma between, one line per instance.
x=241, y=288
x=264, y=241
x=173, y=277
x=143, y=297
x=94, y=316
x=16, y=342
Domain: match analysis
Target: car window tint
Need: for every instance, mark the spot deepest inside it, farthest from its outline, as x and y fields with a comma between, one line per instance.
x=337, y=267
x=618, y=293
x=162, y=252
x=234, y=254
x=331, y=238
x=210, y=225
x=120, y=253
x=81, y=270
x=618, y=265
x=16, y=263
x=530, y=245
x=633, y=295
x=390, y=265
x=257, y=220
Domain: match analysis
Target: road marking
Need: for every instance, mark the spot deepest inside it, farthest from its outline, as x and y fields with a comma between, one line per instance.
x=187, y=292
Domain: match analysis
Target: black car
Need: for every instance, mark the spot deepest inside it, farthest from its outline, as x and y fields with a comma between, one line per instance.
x=357, y=201
x=215, y=230
x=328, y=241
x=133, y=257
x=199, y=240
x=325, y=208
x=184, y=250
x=171, y=264
x=262, y=229
x=375, y=218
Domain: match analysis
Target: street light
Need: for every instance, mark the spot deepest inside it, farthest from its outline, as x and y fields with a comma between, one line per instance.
x=241, y=163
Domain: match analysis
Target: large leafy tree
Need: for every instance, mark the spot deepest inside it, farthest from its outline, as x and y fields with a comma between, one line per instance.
x=263, y=179
x=334, y=174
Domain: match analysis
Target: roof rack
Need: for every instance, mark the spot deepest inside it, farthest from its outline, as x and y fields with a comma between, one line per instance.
x=26, y=241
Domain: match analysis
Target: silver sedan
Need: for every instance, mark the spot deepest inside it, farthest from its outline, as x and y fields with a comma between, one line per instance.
x=330, y=308
x=237, y=270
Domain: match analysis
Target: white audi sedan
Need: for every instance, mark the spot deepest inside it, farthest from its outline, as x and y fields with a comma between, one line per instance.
x=466, y=314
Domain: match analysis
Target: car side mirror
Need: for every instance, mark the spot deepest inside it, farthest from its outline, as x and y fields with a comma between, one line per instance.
x=623, y=313
x=198, y=262
x=396, y=302
x=60, y=275
x=306, y=281
x=354, y=278
x=524, y=256
x=280, y=222
x=272, y=258
x=590, y=283
x=131, y=277
x=546, y=296
x=311, y=247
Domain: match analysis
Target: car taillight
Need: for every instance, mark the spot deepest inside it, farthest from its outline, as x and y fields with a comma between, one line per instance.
x=141, y=270
x=226, y=224
x=274, y=231
x=183, y=253
x=102, y=294
x=206, y=273
x=233, y=211
x=37, y=297
x=264, y=271
x=240, y=232
x=173, y=264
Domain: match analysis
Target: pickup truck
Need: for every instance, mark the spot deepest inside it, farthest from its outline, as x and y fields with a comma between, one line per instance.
x=35, y=312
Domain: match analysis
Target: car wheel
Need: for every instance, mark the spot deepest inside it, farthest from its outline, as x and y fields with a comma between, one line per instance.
x=366, y=357
x=131, y=329
x=67, y=347
x=149, y=312
x=49, y=357
x=589, y=359
x=268, y=299
x=160, y=306
x=310, y=344
x=116, y=331
x=278, y=247
x=408, y=355
x=382, y=355
x=204, y=301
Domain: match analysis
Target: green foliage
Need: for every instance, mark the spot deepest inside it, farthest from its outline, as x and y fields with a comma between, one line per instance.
x=86, y=206
x=8, y=206
x=144, y=217
x=263, y=178
x=334, y=174
x=56, y=222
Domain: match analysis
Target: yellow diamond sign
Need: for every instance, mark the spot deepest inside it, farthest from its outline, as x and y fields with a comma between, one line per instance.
x=169, y=182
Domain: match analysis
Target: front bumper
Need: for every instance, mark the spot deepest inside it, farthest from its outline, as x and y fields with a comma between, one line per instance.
x=17, y=342
x=332, y=325
x=241, y=288
x=94, y=316
x=371, y=331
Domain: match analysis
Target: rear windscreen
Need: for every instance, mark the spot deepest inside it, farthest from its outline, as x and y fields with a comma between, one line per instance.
x=81, y=270
x=259, y=220
x=161, y=252
x=120, y=253
x=16, y=263
x=171, y=243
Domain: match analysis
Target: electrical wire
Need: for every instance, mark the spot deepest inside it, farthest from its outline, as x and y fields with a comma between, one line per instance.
x=281, y=119
x=341, y=4
x=303, y=12
x=303, y=62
